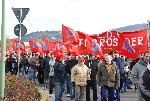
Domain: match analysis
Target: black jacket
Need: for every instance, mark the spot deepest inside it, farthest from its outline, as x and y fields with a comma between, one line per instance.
x=69, y=65
x=59, y=72
x=93, y=65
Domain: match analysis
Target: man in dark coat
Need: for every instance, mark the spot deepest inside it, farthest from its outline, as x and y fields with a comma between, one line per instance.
x=92, y=64
x=59, y=78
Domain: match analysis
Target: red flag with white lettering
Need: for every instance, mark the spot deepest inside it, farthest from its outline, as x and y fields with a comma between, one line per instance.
x=133, y=44
x=107, y=40
x=82, y=43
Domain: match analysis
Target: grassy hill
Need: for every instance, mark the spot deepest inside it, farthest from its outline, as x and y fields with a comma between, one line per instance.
x=56, y=35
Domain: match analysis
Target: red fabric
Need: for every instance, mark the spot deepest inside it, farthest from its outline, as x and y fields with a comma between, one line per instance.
x=8, y=50
x=81, y=59
x=18, y=46
x=75, y=50
x=82, y=46
x=35, y=46
x=45, y=45
x=130, y=43
x=53, y=47
x=67, y=34
x=59, y=57
x=94, y=47
x=107, y=40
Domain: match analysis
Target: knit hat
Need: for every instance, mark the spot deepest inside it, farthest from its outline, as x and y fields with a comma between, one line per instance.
x=59, y=57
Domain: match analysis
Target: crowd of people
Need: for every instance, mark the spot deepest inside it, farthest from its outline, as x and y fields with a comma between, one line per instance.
x=77, y=75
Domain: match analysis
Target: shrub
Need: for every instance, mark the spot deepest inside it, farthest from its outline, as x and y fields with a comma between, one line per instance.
x=20, y=89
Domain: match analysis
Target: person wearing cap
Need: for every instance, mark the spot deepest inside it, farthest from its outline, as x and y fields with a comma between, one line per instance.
x=108, y=78
x=80, y=74
x=46, y=69
x=34, y=64
x=59, y=77
x=137, y=69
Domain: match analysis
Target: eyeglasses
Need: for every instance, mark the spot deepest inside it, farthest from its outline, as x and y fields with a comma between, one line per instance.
x=81, y=61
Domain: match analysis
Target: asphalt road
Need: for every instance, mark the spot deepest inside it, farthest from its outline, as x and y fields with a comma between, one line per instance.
x=130, y=95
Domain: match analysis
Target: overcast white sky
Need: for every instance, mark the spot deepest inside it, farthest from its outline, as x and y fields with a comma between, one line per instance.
x=89, y=16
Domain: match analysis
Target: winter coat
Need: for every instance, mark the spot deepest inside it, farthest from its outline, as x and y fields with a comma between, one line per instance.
x=46, y=66
x=80, y=74
x=59, y=71
x=105, y=79
x=93, y=65
x=120, y=64
x=51, y=64
x=136, y=71
x=69, y=65
x=145, y=92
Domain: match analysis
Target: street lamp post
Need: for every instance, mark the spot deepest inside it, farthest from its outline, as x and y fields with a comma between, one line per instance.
x=2, y=64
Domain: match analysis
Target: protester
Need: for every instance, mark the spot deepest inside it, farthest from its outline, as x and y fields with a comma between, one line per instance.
x=59, y=77
x=70, y=63
x=7, y=64
x=40, y=71
x=14, y=63
x=51, y=75
x=144, y=84
x=80, y=74
x=108, y=78
x=92, y=64
x=137, y=69
x=46, y=67
x=34, y=63
x=125, y=81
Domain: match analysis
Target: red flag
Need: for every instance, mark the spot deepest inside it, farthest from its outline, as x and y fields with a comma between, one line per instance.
x=45, y=45
x=75, y=50
x=130, y=43
x=8, y=50
x=82, y=43
x=94, y=47
x=107, y=40
x=18, y=46
x=53, y=47
x=45, y=40
x=35, y=46
x=68, y=34
x=61, y=48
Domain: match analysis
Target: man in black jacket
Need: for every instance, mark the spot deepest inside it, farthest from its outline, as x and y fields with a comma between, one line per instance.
x=70, y=63
x=92, y=63
x=59, y=78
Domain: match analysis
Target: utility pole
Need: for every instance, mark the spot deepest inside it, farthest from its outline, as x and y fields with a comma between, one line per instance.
x=3, y=51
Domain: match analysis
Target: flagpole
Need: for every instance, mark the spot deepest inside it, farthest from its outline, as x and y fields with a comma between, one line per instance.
x=2, y=62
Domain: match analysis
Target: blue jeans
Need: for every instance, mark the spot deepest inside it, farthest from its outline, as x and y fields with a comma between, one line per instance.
x=32, y=74
x=125, y=84
x=117, y=94
x=69, y=86
x=107, y=93
x=59, y=90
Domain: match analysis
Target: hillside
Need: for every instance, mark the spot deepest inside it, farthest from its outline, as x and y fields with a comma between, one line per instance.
x=51, y=35
x=56, y=35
